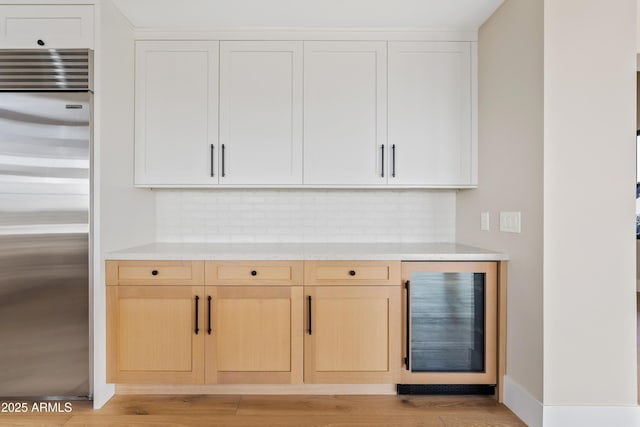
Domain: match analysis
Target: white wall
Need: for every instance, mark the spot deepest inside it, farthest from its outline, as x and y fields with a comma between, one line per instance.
x=510, y=85
x=557, y=143
x=305, y=215
x=638, y=27
x=124, y=216
x=589, y=175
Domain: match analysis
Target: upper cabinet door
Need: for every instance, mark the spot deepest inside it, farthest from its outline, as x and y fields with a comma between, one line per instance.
x=261, y=112
x=176, y=113
x=345, y=110
x=430, y=114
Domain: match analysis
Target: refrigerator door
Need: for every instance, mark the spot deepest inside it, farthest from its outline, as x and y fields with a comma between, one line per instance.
x=44, y=243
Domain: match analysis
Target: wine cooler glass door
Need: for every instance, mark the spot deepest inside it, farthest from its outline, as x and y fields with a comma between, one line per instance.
x=447, y=322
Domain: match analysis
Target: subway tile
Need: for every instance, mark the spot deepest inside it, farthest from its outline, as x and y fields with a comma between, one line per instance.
x=305, y=215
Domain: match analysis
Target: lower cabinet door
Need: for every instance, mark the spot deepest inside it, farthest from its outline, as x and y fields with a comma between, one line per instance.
x=352, y=334
x=253, y=335
x=155, y=334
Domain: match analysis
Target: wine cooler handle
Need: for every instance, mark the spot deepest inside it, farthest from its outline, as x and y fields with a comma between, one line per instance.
x=407, y=286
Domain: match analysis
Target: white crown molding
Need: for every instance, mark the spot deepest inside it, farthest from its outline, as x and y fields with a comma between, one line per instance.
x=51, y=2
x=394, y=34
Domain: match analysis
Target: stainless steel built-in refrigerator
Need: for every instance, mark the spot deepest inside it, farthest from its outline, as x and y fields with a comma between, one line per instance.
x=45, y=182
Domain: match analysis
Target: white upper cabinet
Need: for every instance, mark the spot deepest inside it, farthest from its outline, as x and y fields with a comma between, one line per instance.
x=345, y=108
x=46, y=26
x=260, y=113
x=176, y=113
x=306, y=114
x=431, y=134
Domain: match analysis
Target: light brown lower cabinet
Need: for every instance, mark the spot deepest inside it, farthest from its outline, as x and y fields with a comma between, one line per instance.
x=152, y=337
x=313, y=322
x=254, y=335
x=352, y=335
x=163, y=334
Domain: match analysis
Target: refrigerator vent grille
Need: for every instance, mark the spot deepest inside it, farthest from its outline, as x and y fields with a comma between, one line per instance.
x=45, y=69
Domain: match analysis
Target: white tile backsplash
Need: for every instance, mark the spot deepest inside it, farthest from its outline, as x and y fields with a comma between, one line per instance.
x=305, y=215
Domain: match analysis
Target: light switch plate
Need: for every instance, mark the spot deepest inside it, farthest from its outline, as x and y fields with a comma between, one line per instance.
x=484, y=221
x=510, y=222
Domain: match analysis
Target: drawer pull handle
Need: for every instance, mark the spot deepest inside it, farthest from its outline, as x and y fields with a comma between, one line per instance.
x=254, y=273
x=209, y=315
x=40, y=42
x=197, y=304
x=382, y=152
x=352, y=273
x=154, y=272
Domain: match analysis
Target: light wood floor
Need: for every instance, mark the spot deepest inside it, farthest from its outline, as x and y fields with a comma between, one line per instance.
x=299, y=411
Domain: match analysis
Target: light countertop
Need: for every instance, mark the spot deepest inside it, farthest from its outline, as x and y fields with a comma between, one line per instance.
x=307, y=251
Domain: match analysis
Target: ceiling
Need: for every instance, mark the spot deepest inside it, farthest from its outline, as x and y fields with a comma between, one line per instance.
x=450, y=15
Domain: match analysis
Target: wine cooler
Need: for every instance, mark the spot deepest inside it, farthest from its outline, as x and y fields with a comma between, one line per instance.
x=450, y=327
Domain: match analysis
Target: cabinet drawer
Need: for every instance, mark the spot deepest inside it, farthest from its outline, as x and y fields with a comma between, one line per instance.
x=352, y=272
x=46, y=26
x=254, y=273
x=155, y=273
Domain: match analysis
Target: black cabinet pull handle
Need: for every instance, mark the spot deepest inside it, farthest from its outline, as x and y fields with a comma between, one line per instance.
x=197, y=303
x=309, y=301
x=352, y=273
x=212, y=160
x=209, y=314
x=254, y=273
x=223, y=171
x=393, y=160
x=154, y=272
x=407, y=286
x=40, y=42
x=382, y=152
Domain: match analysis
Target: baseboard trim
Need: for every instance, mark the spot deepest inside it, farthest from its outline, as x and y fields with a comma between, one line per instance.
x=591, y=416
x=319, y=389
x=102, y=395
x=523, y=404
